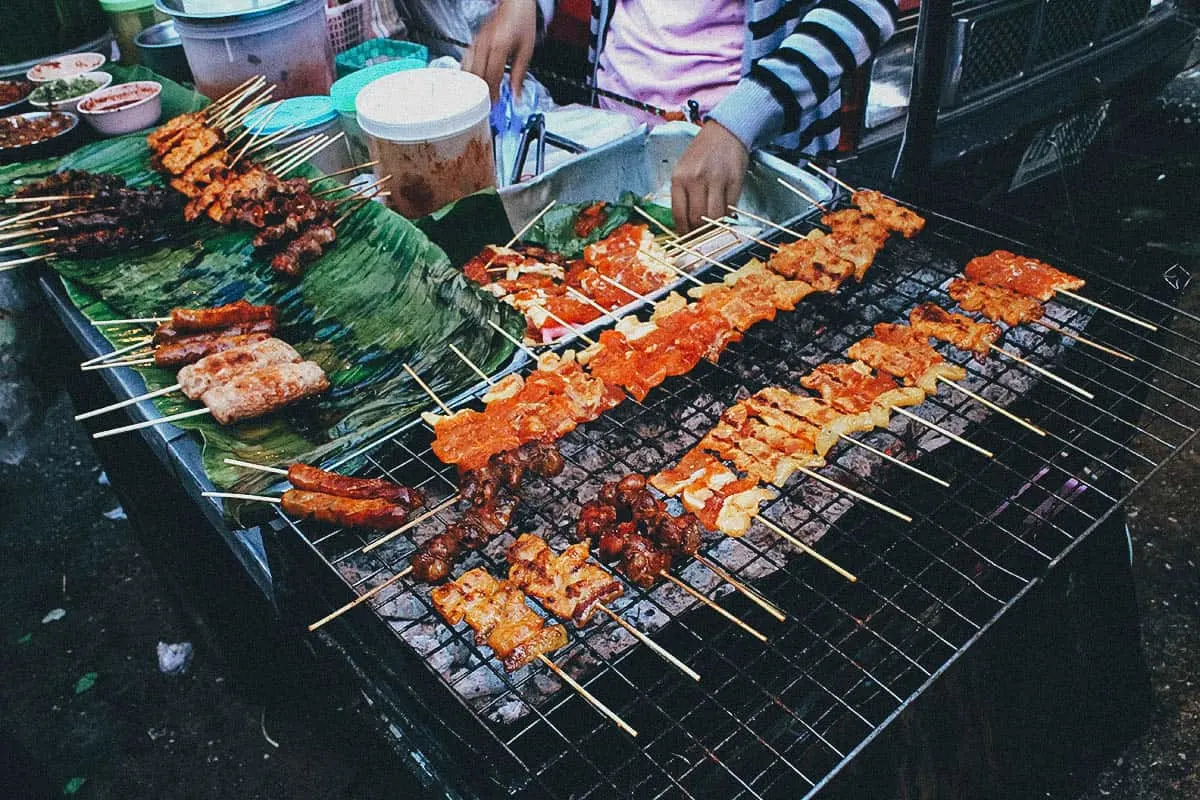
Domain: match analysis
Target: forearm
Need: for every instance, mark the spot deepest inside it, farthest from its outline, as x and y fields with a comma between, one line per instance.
x=830, y=41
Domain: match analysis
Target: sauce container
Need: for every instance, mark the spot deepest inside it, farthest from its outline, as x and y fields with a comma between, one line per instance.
x=429, y=130
x=128, y=18
x=309, y=116
x=227, y=42
x=344, y=93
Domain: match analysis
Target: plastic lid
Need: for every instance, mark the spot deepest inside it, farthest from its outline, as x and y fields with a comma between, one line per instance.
x=295, y=112
x=422, y=104
x=225, y=10
x=345, y=90
x=117, y=6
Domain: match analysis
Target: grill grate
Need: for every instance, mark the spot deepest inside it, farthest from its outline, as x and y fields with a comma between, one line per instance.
x=775, y=720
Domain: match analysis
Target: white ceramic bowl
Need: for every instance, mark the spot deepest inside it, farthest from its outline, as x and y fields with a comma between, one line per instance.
x=103, y=78
x=66, y=67
x=123, y=108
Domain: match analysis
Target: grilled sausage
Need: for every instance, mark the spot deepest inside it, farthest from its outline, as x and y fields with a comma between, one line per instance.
x=190, y=349
x=219, y=368
x=208, y=319
x=264, y=390
x=169, y=333
x=348, y=512
x=312, y=479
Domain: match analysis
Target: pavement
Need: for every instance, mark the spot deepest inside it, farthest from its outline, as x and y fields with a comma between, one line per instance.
x=85, y=710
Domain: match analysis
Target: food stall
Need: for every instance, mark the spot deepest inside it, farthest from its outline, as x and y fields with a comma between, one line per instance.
x=818, y=501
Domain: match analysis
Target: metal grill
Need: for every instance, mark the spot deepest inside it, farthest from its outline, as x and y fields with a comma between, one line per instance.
x=999, y=45
x=775, y=720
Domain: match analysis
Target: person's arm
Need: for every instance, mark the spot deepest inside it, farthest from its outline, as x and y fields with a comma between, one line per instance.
x=832, y=40
x=508, y=36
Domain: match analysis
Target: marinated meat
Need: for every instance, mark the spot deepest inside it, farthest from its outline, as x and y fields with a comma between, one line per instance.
x=190, y=349
x=264, y=390
x=194, y=320
x=995, y=303
x=314, y=479
x=375, y=513
x=961, y=331
x=223, y=368
x=1020, y=274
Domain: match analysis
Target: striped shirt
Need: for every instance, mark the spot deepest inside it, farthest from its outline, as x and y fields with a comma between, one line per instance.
x=795, y=55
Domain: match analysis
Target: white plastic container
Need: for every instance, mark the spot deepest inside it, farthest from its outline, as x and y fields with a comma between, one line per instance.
x=284, y=41
x=429, y=130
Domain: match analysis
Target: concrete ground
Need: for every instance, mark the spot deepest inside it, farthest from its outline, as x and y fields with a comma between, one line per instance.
x=85, y=710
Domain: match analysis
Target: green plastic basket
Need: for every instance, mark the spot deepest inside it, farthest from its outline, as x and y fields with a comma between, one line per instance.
x=377, y=51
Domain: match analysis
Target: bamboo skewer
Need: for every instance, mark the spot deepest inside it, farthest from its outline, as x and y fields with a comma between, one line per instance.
x=999, y=410
x=854, y=493
x=802, y=194
x=31, y=231
x=658, y=649
x=258, y=146
x=471, y=364
x=283, y=171
x=586, y=695
x=894, y=460
x=120, y=351
x=804, y=548
x=1107, y=309
x=524, y=230
x=300, y=156
x=130, y=362
x=131, y=401
x=7, y=265
x=1082, y=340
x=765, y=221
x=26, y=215
x=750, y=594
x=1045, y=372
x=237, y=462
x=22, y=245
x=517, y=342
x=150, y=423
x=830, y=176
x=412, y=523
x=355, y=168
x=729, y=615
x=48, y=198
x=283, y=153
x=262, y=498
x=223, y=100
x=104, y=323
x=355, y=190
x=248, y=131
x=428, y=391
x=742, y=234
x=362, y=598
x=943, y=431
x=359, y=202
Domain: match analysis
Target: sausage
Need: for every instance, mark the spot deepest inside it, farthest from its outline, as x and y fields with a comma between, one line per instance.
x=167, y=332
x=208, y=319
x=375, y=513
x=190, y=349
x=219, y=368
x=264, y=390
x=312, y=479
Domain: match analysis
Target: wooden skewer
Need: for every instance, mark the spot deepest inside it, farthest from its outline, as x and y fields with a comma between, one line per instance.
x=104, y=323
x=355, y=190
x=412, y=523
x=362, y=598
x=128, y=362
x=1119, y=314
x=623, y=288
x=359, y=202
x=1045, y=372
x=262, y=498
x=714, y=606
x=566, y=324
x=524, y=230
x=804, y=548
x=131, y=401
x=658, y=649
x=521, y=345
x=894, y=460
x=683, y=273
x=1002, y=411
x=237, y=462
x=802, y=194
x=15, y=218
x=35, y=220
x=428, y=391
x=586, y=695
x=773, y=248
x=750, y=594
x=285, y=170
x=46, y=198
x=943, y=431
x=830, y=176
x=853, y=493
x=7, y=265
x=240, y=112
x=654, y=221
x=355, y=168
x=224, y=99
x=471, y=364
x=151, y=423
x=121, y=351
x=22, y=245
x=766, y=221
x=300, y=156
x=295, y=147
x=248, y=131
x=1082, y=340
x=261, y=144
x=31, y=231
x=688, y=250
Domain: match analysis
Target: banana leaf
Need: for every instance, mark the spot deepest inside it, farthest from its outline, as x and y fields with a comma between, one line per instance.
x=384, y=295
x=556, y=229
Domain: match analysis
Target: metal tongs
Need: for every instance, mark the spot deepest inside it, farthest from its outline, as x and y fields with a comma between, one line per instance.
x=535, y=135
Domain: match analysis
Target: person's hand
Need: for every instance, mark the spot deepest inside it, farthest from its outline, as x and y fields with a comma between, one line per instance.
x=708, y=177
x=509, y=35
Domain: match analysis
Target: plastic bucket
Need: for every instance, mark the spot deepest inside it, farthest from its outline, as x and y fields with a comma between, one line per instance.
x=345, y=91
x=286, y=43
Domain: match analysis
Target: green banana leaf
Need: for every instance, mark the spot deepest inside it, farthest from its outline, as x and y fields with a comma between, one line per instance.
x=556, y=229
x=383, y=296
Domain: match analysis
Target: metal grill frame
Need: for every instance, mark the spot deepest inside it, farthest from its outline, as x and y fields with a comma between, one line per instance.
x=829, y=621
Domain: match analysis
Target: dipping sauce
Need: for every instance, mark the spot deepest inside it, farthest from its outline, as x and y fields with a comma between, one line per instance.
x=65, y=67
x=14, y=91
x=21, y=130
x=126, y=94
x=429, y=130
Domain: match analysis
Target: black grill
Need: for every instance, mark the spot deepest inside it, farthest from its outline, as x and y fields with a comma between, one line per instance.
x=999, y=45
x=775, y=720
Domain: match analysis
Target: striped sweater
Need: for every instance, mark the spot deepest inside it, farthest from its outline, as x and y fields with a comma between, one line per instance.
x=796, y=54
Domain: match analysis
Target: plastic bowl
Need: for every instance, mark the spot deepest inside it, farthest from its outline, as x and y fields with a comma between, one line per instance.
x=124, y=108
x=67, y=66
x=25, y=87
x=43, y=148
x=71, y=103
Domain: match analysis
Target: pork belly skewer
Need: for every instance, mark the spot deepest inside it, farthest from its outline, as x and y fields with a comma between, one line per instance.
x=494, y=608
x=979, y=338
x=720, y=573
x=890, y=212
x=1036, y=279
x=570, y=587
